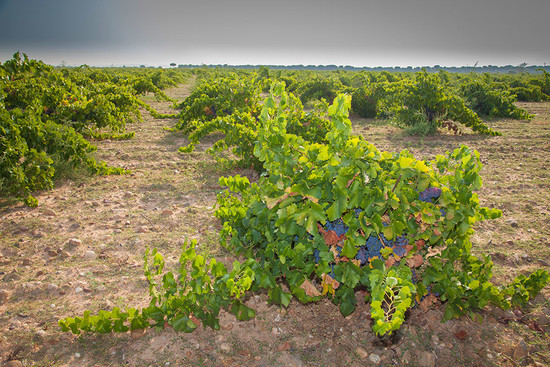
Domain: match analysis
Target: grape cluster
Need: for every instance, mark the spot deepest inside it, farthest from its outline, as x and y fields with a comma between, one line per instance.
x=375, y=242
x=316, y=256
x=332, y=275
x=337, y=226
x=429, y=194
x=371, y=249
x=362, y=255
x=415, y=277
x=399, y=245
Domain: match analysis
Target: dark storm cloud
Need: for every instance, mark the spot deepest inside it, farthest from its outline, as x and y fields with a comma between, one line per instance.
x=355, y=32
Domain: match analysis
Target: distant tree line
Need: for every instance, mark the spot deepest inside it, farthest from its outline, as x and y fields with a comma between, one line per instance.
x=509, y=69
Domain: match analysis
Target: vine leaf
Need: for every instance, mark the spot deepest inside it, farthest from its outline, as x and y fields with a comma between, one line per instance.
x=310, y=289
x=331, y=238
x=428, y=301
x=415, y=261
x=329, y=284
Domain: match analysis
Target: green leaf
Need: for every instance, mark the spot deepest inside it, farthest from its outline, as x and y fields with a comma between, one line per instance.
x=339, y=205
x=349, y=250
x=388, y=232
x=242, y=312
x=347, y=307
x=183, y=323
x=279, y=297
x=350, y=275
x=423, y=184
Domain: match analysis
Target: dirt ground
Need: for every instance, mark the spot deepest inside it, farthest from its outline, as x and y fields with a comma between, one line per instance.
x=82, y=249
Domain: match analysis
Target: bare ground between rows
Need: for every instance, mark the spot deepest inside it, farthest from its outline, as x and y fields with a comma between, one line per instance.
x=169, y=196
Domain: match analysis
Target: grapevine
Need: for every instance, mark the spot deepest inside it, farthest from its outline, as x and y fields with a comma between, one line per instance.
x=46, y=114
x=326, y=218
x=349, y=215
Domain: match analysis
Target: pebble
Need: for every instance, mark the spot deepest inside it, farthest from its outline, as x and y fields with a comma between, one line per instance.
x=52, y=288
x=227, y=326
x=40, y=334
x=78, y=290
x=77, y=355
x=50, y=213
x=11, y=276
x=142, y=230
x=512, y=222
x=27, y=262
x=426, y=359
x=73, y=227
x=75, y=242
x=51, y=253
x=137, y=333
x=225, y=347
x=284, y=347
x=90, y=255
x=4, y=296
x=374, y=358
x=521, y=351
x=128, y=194
x=13, y=363
x=14, y=324
x=361, y=352
x=167, y=213
x=274, y=331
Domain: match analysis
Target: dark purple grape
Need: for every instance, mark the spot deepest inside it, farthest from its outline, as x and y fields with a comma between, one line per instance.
x=362, y=255
x=399, y=251
x=373, y=246
x=337, y=226
x=429, y=194
x=316, y=256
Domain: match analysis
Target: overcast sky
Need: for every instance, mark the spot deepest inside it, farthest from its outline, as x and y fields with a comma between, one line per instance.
x=286, y=32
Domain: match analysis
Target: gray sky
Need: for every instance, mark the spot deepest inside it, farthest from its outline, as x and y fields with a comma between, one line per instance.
x=345, y=32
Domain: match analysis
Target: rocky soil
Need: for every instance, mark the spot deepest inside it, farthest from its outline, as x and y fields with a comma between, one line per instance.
x=82, y=249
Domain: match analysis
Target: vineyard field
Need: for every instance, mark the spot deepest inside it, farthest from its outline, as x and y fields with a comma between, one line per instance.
x=81, y=248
